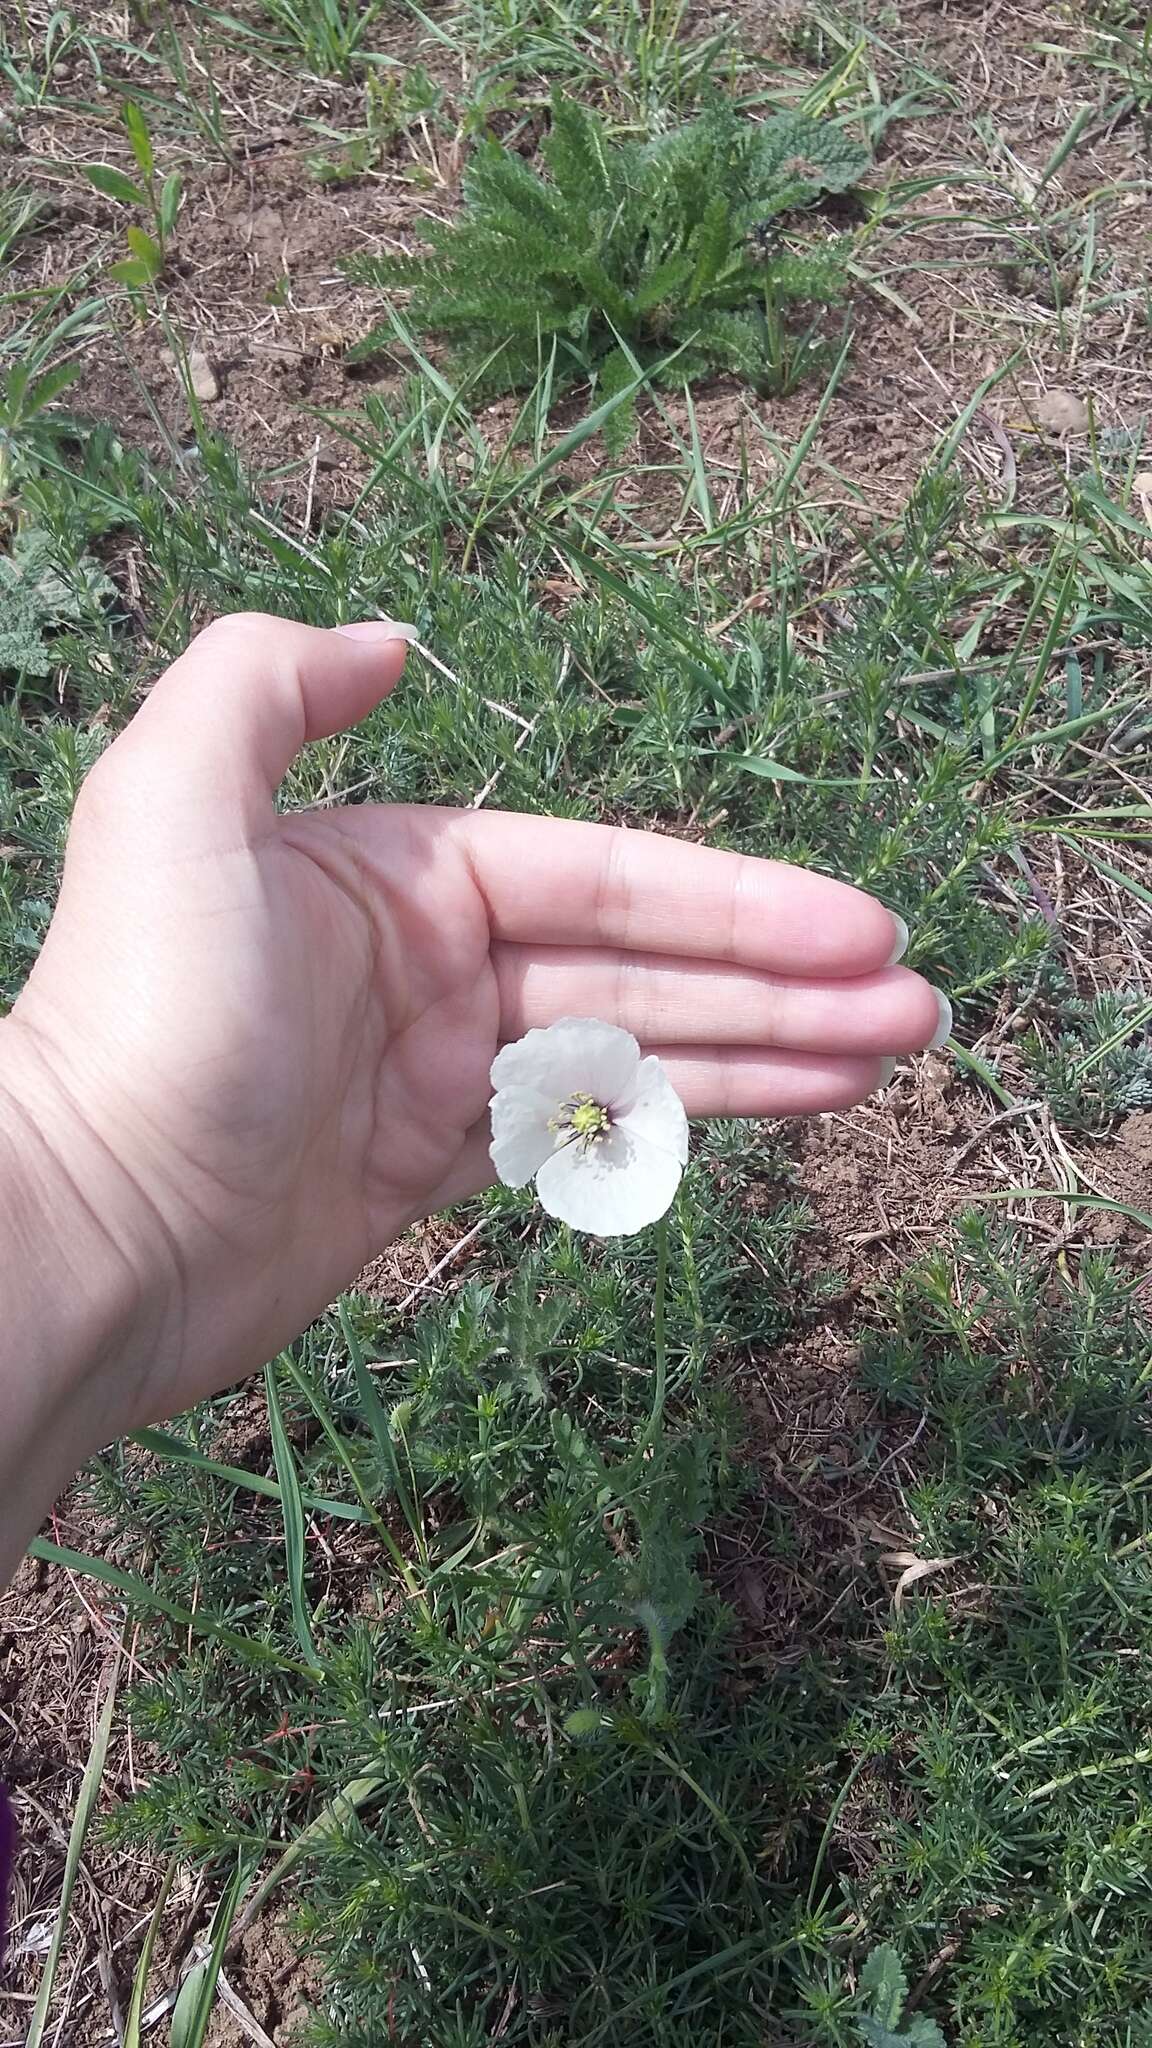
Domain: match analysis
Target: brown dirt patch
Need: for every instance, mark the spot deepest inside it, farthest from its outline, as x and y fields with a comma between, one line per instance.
x=1124, y=1173
x=882, y=1187
x=262, y=299
x=825, y=1463
x=885, y=1182
x=960, y=277
x=58, y=1650
x=432, y=1256
x=281, y=1988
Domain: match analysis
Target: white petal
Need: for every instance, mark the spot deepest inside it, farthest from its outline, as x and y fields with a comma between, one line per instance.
x=579, y=1055
x=521, y=1138
x=611, y=1188
x=655, y=1111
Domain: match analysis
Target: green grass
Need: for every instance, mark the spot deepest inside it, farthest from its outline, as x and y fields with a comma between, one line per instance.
x=445, y=1670
x=541, y=1838
x=646, y=60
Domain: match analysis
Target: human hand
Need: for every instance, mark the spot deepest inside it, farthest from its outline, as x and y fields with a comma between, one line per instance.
x=256, y=1046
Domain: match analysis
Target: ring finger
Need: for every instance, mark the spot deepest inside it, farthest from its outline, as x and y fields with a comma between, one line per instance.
x=664, y=1000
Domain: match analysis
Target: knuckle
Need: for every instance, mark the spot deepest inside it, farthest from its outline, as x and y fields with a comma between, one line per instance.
x=97, y=791
x=240, y=628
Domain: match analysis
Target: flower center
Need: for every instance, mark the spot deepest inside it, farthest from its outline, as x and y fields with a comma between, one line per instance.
x=580, y=1120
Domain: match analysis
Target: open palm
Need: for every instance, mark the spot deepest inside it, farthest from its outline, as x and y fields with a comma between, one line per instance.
x=278, y=1029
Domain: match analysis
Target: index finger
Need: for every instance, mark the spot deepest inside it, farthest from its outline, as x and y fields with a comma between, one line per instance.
x=556, y=881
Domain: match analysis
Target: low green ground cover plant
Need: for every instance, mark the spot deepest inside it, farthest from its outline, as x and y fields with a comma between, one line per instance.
x=677, y=255
x=538, y=1841
x=1097, y=1066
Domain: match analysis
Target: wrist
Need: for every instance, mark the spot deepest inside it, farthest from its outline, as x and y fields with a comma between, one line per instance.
x=85, y=1305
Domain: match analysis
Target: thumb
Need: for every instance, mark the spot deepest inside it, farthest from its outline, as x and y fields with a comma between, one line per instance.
x=203, y=757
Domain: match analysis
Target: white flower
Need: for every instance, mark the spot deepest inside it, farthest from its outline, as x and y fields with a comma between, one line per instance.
x=601, y=1130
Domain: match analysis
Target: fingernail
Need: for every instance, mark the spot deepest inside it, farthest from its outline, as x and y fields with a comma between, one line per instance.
x=887, y=1069
x=378, y=630
x=900, y=944
x=943, y=1031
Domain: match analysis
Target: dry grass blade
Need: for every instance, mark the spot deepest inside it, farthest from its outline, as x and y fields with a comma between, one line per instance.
x=140, y=1980
x=243, y=2015
x=85, y=1807
x=913, y=1569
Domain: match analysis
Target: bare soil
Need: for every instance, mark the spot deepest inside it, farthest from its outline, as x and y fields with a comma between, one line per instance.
x=257, y=288
x=58, y=1653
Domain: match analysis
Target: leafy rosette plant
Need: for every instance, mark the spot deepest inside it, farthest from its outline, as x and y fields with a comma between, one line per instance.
x=681, y=255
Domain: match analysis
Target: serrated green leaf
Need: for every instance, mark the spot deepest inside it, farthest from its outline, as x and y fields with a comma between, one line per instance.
x=924, y=2033
x=575, y=150
x=641, y=243
x=884, y=1985
x=498, y=182
x=666, y=282
x=38, y=596
x=796, y=159
x=43, y=390
x=711, y=246
x=875, y=2034
x=919, y=2033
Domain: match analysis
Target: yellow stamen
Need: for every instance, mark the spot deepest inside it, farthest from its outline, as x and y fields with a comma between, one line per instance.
x=580, y=1120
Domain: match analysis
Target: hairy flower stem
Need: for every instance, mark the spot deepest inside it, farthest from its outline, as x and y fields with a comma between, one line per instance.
x=655, y=1420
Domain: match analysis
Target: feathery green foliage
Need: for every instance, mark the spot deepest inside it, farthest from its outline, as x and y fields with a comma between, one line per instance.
x=1097, y=1065
x=41, y=593
x=784, y=1844
x=884, y=1990
x=682, y=250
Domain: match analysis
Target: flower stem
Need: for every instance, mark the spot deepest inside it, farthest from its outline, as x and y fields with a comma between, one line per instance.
x=651, y=1428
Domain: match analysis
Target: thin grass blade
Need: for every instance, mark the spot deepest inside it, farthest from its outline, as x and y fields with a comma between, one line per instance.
x=162, y=1445
x=132, y=2025
x=193, y=2009
x=136, y=1589
x=85, y=1807
x=292, y=1510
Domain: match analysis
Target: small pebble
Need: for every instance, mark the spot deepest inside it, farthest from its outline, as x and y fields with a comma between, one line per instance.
x=1062, y=412
x=204, y=381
